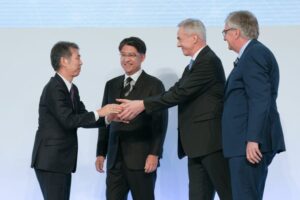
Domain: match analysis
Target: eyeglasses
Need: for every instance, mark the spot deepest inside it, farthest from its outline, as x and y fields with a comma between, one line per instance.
x=224, y=32
x=129, y=55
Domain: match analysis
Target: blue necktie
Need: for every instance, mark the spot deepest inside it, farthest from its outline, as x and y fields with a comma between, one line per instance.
x=191, y=64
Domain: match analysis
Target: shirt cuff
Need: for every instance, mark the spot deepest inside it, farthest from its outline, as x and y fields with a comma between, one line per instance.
x=96, y=115
x=106, y=121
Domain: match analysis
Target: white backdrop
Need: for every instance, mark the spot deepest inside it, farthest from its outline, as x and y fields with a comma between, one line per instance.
x=25, y=69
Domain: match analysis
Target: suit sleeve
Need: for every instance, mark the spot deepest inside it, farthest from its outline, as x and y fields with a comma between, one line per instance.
x=82, y=109
x=196, y=83
x=258, y=90
x=159, y=125
x=61, y=108
x=103, y=131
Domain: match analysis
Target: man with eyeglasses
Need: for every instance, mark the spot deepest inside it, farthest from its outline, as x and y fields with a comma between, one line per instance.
x=132, y=149
x=199, y=96
x=251, y=127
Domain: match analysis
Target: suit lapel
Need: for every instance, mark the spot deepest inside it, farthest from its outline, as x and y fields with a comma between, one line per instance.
x=61, y=82
x=201, y=55
x=252, y=42
x=138, y=87
x=135, y=93
x=226, y=84
x=68, y=96
x=118, y=86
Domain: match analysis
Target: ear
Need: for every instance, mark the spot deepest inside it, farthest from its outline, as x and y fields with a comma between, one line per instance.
x=237, y=33
x=143, y=57
x=195, y=38
x=63, y=61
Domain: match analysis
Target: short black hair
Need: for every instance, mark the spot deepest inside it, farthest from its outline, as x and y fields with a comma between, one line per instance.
x=135, y=42
x=61, y=49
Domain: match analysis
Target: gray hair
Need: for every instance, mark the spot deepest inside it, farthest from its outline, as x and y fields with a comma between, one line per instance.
x=194, y=26
x=245, y=21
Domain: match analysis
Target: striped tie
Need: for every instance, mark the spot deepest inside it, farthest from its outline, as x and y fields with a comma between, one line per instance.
x=128, y=86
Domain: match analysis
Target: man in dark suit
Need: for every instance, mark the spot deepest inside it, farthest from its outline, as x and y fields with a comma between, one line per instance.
x=252, y=132
x=199, y=96
x=132, y=149
x=60, y=114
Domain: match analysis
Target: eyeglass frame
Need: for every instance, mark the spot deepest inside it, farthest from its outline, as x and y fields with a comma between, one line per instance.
x=224, y=32
x=129, y=55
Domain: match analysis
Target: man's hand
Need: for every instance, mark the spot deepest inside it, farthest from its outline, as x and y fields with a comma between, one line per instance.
x=151, y=163
x=109, y=109
x=253, y=153
x=99, y=163
x=130, y=108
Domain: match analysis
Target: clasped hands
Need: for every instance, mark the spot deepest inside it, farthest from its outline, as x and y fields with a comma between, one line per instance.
x=124, y=112
x=129, y=110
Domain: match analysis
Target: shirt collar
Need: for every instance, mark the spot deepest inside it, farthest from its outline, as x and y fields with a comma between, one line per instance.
x=134, y=76
x=243, y=48
x=196, y=54
x=68, y=84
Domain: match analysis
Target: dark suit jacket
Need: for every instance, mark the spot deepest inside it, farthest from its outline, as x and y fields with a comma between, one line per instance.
x=142, y=136
x=250, y=110
x=199, y=96
x=55, y=147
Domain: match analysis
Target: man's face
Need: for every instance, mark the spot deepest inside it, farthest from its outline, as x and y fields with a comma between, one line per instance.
x=131, y=60
x=229, y=36
x=186, y=42
x=73, y=64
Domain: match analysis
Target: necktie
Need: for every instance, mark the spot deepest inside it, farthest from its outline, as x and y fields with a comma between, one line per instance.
x=236, y=62
x=191, y=64
x=72, y=94
x=128, y=86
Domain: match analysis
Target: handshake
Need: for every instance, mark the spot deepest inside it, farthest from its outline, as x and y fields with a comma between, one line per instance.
x=124, y=112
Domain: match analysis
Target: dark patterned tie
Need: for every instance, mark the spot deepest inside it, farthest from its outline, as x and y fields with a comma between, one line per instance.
x=72, y=94
x=127, y=87
x=236, y=62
